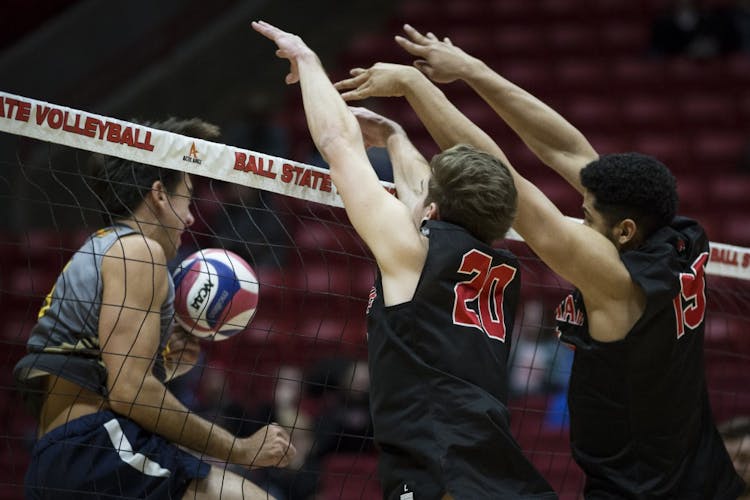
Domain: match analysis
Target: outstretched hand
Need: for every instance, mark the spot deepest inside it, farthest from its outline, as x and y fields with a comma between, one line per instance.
x=376, y=129
x=441, y=61
x=380, y=80
x=290, y=47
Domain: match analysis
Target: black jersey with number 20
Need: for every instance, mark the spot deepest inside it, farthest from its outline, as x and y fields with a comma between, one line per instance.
x=640, y=420
x=438, y=367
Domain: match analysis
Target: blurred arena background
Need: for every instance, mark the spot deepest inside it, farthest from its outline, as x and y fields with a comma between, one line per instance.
x=623, y=71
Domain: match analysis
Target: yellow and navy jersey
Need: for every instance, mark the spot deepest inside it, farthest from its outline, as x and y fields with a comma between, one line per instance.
x=65, y=339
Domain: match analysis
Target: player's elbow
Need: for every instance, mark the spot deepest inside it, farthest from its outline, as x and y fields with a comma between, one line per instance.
x=127, y=396
x=121, y=401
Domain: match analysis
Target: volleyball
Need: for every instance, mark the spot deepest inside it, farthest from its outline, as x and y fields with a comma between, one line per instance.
x=216, y=294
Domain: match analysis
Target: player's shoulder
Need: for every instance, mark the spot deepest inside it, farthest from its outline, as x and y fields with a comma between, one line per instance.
x=139, y=248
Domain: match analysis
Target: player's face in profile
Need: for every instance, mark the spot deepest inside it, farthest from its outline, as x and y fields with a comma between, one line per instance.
x=594, y=219
x=179, y=217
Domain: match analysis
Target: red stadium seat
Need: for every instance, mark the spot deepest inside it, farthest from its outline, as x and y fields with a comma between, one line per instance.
x=669, y=148
x=580, y=73
x=572, y=38
x=703, y=110
x=728, y=190
x=737, y=226
x=594, y=113
x=466, y=12
x=718, y=149
x=333, y=236
x=698, y=74
x=737, y=71
x=557, y=9
x=507, y=12
x=624, y=38
x=616, y=10
x=629, y=74
x=518, y=41
x=649, y=112
x=691, y=190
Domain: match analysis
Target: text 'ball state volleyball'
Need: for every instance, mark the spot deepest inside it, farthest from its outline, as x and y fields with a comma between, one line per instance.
x=216, y=293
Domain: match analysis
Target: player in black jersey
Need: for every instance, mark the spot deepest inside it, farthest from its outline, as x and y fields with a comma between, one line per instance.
x=441, y=313
x=641, y=424
x=104, y=347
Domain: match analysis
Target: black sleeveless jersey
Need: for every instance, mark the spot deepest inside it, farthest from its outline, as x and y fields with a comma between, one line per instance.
x=640, y=420
x=438, y=371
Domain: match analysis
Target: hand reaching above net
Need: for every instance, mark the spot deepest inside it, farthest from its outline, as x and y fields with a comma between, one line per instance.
x=441, y=61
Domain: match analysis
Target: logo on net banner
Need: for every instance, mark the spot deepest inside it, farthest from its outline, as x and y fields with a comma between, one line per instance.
x=192, y=156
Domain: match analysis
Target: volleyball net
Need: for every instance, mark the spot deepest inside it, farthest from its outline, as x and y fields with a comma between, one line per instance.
x=300, y=361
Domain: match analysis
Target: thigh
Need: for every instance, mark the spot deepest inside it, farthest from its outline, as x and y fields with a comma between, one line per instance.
x=226, y=485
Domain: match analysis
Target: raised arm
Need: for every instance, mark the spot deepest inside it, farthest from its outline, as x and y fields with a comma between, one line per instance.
x=553, y=140
x=411, y=172
x=574, y=251
x=383, y=222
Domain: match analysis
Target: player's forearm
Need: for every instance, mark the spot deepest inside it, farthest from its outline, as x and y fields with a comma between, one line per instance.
x=445, y=123
x=555, y=141
x=157, y=410
x=410, y=170
x=328, y=117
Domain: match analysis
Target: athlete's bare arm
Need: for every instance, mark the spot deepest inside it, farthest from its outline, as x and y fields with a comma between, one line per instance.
x=554, y=140
x=134, y=276
x=411, y=172
x=383, y=222
x=576, y=252
x=181, y=354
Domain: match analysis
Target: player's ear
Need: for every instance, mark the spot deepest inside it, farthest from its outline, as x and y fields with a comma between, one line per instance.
x=625, y=232
x=431, y=211
x=158, y=191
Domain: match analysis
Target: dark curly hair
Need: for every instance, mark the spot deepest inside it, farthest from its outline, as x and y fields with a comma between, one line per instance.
x=474, y=190
x=121, y=185
x=632, y=185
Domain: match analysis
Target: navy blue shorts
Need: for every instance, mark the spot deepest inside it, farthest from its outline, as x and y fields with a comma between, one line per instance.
x=108, y=456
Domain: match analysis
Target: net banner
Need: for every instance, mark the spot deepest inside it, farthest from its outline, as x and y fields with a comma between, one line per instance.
x=110, y=136
x=101, y=134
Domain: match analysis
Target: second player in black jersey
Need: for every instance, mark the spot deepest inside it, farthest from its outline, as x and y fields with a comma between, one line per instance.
x=641, y=400
x=438, y=368
x=438, y=321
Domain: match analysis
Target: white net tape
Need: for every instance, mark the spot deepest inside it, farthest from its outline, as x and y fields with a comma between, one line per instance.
x=88, y=131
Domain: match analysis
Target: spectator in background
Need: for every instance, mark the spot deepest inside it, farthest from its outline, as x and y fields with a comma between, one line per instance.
x=298, y=481
x=216, y=404
x=334, y=402
x=690, y=29
x=741, y=18
x=541, y=365
x=535, y=356
x=344, y=425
